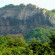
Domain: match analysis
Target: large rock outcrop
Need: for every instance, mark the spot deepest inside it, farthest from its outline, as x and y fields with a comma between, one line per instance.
x=21, y=19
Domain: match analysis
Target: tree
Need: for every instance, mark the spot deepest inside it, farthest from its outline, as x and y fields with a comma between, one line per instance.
x=40, y=49
x=22, y=5
x=52, y=43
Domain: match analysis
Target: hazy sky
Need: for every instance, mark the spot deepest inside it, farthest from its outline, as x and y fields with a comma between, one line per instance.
x=48, y=4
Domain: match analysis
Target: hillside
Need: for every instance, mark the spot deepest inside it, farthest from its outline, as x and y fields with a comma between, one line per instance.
x=22, y=18
x=40, y=34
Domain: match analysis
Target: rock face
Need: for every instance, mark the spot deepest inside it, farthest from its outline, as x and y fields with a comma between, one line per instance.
x=21, y=19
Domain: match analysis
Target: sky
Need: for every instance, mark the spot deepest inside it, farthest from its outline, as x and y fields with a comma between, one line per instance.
x=47, y=4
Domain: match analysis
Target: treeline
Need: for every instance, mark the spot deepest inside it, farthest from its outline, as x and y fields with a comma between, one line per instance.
x=16, y=6
x=18, y=46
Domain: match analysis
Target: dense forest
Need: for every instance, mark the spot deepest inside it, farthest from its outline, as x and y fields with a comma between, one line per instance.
x=18, y=46
x=40, y=34
x=39, y=41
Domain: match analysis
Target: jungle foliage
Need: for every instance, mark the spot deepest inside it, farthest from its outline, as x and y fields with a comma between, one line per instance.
x=18, y=46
